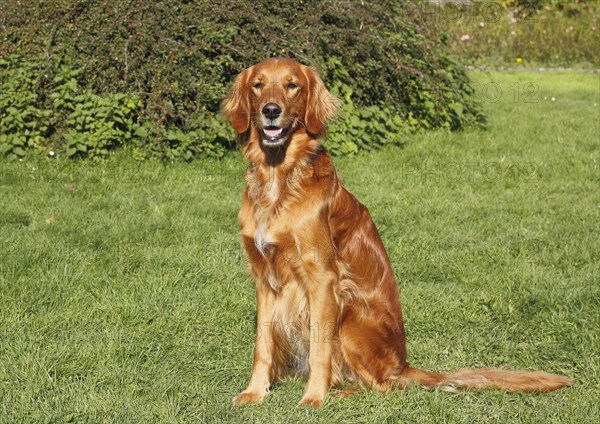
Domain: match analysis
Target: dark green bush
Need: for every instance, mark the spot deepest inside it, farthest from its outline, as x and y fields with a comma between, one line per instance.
x=37, y=114
x=99, y=124
x=23, y=124
x=179, y=57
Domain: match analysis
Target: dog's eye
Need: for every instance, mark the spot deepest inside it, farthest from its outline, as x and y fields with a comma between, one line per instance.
x=291, y=86
x=258, y=85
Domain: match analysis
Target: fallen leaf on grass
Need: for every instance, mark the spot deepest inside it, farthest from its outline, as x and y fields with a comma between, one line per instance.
x=52, y=218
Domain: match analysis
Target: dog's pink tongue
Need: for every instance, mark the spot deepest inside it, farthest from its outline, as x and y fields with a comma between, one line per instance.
x=273, y=133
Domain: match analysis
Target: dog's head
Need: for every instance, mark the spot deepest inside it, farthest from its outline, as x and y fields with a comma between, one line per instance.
x=277, y=98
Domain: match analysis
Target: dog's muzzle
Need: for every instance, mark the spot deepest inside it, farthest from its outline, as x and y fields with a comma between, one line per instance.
x=272, y=134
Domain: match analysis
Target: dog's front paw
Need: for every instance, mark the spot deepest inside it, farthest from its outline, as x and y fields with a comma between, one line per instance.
x=249, y=397
x=311, y=401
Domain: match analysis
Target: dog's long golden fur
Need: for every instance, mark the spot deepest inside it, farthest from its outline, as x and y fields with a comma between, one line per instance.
x=328, y=305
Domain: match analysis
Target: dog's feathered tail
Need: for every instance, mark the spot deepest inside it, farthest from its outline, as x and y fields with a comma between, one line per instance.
x=512, y=381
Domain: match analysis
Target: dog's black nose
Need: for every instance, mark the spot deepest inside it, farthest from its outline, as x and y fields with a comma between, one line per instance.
x=271, y=110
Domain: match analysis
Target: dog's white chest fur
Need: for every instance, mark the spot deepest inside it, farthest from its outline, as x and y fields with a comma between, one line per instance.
x=262, y=238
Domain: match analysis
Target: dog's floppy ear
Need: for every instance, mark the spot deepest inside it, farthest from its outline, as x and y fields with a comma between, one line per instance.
x=321, y=105
x=236, y=106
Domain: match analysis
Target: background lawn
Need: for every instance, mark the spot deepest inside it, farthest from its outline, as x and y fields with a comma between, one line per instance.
x=124, y=295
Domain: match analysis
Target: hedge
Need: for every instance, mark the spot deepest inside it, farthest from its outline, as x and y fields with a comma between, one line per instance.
x=178, y=58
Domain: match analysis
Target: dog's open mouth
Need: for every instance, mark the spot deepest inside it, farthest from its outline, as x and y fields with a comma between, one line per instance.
x=273, y=136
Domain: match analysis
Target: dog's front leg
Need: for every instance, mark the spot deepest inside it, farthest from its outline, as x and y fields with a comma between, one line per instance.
x=323, y=317
x=262, y=369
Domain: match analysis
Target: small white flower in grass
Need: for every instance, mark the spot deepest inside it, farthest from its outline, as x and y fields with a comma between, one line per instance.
x=51, y=153
x=465, y=37
x=553, y=99
x=481, y=24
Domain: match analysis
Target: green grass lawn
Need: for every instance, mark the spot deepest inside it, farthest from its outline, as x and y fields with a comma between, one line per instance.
x=133, y=304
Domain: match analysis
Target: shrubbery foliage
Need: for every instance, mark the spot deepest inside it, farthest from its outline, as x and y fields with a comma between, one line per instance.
x=544, y=33
x=36, y=111
x=177, y=58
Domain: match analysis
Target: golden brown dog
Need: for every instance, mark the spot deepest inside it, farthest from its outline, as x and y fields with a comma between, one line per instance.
x=328, y=305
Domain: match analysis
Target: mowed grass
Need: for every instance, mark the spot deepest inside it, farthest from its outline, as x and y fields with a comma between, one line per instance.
x=124, y=295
